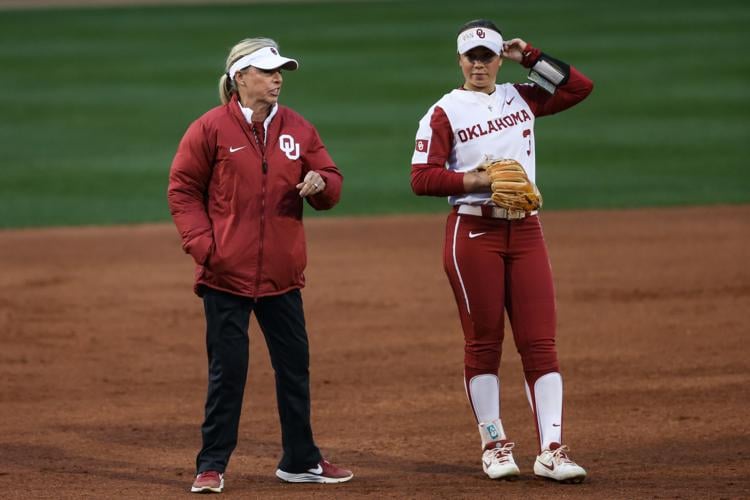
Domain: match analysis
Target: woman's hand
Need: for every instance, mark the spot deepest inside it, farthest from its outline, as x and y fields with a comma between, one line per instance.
x=477, y=181
x=513, y=49
x=312, y=184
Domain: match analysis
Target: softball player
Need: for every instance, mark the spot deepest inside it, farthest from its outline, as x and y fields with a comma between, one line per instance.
x=497, y=260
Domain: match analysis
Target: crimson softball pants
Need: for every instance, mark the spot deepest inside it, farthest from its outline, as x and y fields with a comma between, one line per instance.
x=281, y=318
x=495, y=265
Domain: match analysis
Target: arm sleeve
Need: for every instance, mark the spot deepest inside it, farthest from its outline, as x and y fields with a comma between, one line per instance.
x=432, y=149
x=317, y=158
x=189, y=177
x=574, y=89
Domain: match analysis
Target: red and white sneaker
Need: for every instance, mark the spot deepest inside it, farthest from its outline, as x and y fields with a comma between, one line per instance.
x=555, y=464
x=324, y=472
x=209, y=481
x=497, y=461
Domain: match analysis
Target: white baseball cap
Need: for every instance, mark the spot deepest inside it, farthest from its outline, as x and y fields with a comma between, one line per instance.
x=265, y=58
x=476, y=37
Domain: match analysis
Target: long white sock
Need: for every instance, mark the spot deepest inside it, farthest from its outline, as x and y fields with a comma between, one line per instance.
x=548, y=396
x=484, y=395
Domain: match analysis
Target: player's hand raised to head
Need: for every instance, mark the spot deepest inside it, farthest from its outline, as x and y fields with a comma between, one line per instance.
x=513, y=49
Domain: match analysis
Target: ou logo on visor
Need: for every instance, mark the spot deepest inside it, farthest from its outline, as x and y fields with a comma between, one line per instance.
x=288, y=146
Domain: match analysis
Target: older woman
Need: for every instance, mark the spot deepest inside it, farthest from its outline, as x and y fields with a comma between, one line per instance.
x=236, y=191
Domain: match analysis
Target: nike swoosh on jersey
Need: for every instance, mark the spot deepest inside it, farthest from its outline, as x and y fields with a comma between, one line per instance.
x=510, y=100
x=234, y=150
x=473, y=235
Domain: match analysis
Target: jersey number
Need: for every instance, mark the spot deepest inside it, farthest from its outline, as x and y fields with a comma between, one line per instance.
x=527, y=133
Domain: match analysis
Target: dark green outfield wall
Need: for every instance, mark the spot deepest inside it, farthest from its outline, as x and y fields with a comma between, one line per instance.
x=94, y=101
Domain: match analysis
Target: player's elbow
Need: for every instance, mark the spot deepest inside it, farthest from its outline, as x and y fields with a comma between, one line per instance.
x=588, y=88
x=585, y=87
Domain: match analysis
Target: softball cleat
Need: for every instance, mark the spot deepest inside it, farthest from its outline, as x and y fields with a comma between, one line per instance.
x=497, y=461
x=554, y=463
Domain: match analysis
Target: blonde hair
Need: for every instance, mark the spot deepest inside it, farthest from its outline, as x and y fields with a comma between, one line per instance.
x=244, y=47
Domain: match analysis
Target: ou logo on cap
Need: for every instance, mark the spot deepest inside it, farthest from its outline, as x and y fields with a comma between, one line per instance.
x=289, y=146
x=480, y=33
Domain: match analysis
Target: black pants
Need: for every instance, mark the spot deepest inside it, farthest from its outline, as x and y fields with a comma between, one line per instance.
x=282, y=321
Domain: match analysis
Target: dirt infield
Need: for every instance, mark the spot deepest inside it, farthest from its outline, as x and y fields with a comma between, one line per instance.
x=103, y=366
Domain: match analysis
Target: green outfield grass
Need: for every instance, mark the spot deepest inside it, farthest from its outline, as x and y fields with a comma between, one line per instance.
x=94, y=101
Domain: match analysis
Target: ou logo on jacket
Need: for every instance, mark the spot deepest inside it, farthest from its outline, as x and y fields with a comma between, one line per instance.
x=289, y=146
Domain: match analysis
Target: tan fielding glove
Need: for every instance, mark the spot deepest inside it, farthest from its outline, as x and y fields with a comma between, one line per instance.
x=511, y=187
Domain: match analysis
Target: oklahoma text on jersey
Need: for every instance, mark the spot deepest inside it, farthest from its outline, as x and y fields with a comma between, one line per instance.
x=495, y=125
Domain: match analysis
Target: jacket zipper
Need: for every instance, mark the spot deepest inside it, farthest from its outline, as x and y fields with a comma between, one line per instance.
x=262, y=208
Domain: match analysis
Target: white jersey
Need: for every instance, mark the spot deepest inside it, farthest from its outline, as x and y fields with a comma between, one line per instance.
x=483, y=127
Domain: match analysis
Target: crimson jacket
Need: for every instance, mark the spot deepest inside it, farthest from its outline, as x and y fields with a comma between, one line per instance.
x=240, y=216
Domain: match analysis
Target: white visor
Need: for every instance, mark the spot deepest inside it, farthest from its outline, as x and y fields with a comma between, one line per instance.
x=265, y=58
x=476, y=37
